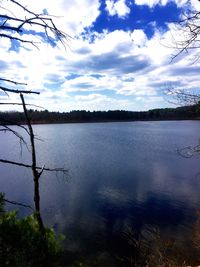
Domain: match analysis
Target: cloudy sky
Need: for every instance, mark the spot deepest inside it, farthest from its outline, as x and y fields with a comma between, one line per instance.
x=118, y=56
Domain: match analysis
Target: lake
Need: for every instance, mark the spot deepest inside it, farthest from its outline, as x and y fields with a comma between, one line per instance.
x=122, y=176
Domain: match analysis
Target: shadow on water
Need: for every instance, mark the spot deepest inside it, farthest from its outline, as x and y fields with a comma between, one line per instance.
x=104, y=245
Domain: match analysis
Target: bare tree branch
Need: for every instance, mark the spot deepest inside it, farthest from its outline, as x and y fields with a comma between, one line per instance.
x=11, y=81
x=45, y=22
x=21, y=138
x=2, y=35
x=189, y=151
x=30, y=166
x=6, y=122
x=182, y=96
x=189, y=31
x=16, y=91
x=18, y=204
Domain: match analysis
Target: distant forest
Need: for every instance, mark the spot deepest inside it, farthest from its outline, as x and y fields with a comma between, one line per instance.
x=45, y=116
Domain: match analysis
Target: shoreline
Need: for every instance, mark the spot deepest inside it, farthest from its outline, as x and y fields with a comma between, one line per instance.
x=104, y=121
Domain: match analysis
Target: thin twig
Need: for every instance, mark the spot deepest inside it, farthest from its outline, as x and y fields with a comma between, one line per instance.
x=13, y=123
x=17, y=203
x=11, y=81
x=8, y=36
x=8, y=129
x=30, y=166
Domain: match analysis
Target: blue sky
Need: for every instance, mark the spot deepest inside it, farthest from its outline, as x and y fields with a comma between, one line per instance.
x=119, y=56
x=137, y=17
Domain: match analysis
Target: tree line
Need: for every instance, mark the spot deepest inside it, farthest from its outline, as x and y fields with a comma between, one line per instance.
x=45, y=116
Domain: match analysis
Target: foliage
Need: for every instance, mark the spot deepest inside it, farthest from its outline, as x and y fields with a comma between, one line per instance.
x=23, y=245
x=184, y=112
x=1, y=203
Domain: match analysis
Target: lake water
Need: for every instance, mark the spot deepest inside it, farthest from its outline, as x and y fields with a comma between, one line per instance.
x=123, y=175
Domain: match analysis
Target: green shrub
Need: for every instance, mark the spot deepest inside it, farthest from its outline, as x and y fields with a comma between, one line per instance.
x=23, y=245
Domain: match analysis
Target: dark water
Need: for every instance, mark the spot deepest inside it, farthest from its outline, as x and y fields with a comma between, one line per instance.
x=121, y=176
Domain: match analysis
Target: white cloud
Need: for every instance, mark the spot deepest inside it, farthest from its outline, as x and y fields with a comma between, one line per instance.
x=139, y=37
x=195, y=4
x=180, y=3
x=118, y=8
x=118, y=70
x=98, y=102
x=96, y=72
x=149, y=3
x=91, y=97
x=152, y=3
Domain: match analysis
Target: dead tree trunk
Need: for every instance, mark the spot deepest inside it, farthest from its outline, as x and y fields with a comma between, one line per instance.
x=35, y=172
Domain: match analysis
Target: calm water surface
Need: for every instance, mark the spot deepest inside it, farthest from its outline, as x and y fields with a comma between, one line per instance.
x=121, y=176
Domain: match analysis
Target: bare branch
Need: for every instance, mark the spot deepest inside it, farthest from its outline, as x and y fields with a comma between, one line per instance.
x=190, y=151
x=45, y=22
x=5, y=122
x=19, y=39
x=11, y=81
x=189, y=30
x=21, y=139
x=16, y=91
x=182, y=96
x=30, y=166
x=17, y=203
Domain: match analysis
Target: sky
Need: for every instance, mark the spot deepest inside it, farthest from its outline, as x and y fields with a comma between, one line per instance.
x=118, y=56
